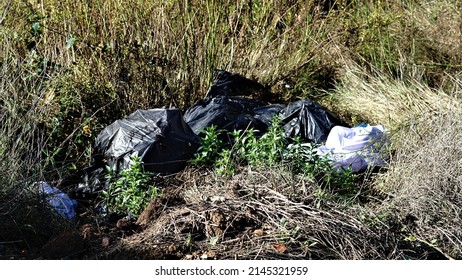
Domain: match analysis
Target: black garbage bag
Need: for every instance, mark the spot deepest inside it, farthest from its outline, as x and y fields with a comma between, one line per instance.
x=159, y=137
x=86, y=183
x=229, y=84
x=229, y=114
x=308, y=120
x=267, y=113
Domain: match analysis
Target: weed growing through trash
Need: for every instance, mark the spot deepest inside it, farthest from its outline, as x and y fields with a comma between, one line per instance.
x=211, y=146
x=266, y=150
x=252, y=150
x=129, y=191
x=247, y=148
x=302, y=158
x=270, y=149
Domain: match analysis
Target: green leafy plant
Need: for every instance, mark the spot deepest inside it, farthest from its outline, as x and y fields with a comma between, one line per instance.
x=210, y=148
x=302, y=158
x=188, y=240
x=265, y=150
x=225, y=164
x=214, y=241
x=250, y=149
x=268, y=149
x=129, y=191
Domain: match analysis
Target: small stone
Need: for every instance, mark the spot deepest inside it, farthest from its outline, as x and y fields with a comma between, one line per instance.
x=106, y=241
x=258, y=232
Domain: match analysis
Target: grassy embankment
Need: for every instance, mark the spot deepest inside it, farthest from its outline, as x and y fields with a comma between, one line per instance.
x=68, y=68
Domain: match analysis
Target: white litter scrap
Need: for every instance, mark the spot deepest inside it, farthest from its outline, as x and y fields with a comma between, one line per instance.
x=357, y=148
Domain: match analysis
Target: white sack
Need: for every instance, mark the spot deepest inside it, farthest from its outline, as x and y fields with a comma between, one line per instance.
x=357, y=147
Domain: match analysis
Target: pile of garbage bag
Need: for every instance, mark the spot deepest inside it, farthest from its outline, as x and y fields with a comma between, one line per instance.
x=166, y=139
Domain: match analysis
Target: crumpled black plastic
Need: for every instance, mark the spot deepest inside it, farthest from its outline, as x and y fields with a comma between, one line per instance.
x=226, y=114
x=308, y=120
x=230, y=84
x=159, y=137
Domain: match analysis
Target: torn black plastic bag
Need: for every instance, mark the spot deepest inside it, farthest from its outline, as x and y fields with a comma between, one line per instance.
x=231, y=113
x=159, y=137
x=308, y=120
x=229, y=84
x=86, y=183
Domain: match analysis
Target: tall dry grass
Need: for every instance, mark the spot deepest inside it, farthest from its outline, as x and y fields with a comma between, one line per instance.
x=382, y=97
x=25, y=221
x=21, y=142
x=424, y=180
x=163, y=52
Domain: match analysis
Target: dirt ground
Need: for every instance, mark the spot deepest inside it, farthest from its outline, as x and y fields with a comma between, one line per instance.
x=255, y=214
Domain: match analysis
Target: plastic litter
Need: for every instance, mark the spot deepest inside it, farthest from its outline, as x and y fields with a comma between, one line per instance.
x=159, y=137
x=357, y=148
x=229, y=114
x=304, y=118
x=87, y=183
x=308, y=120
x=165, y=140
x=60, y=201
x=228, y=84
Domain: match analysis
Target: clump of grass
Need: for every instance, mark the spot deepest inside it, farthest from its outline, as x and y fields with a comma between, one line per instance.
x=25, y=224
x=21, y=140
x=437, y=46
x=378, y=97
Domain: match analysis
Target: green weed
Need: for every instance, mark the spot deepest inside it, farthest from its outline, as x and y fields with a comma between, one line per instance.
x=287, y=233
x=211, y=146
x=129, y=191
x=271, y=149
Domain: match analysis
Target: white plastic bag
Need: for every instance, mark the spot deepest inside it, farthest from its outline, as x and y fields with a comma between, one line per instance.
x=356, y=148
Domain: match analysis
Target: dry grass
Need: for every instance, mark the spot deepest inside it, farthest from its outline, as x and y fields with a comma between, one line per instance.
x=424, y=180
x=256, y=214
x=439, y=23
x=380, y=98
x=424, y=174
x=20, y=142
x=162, y=53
